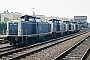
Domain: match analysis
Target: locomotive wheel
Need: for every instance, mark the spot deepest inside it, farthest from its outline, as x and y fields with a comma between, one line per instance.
x=11, y=43
x=33, y=40
x=45, y=38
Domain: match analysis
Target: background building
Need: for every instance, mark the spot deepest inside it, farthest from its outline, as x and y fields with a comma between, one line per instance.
x=42, y=17
x=82, y=20
x=10, y=16
x=52, y=17
x=62, y=19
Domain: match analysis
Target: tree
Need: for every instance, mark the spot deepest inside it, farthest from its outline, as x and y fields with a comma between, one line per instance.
x=6, y=19
x=72, y=20
x=3, y=24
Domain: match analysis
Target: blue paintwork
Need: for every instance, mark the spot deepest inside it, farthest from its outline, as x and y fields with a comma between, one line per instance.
x=43, y=27
x=13, y=28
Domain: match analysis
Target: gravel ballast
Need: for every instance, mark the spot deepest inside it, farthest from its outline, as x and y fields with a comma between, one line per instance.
x=54, y=51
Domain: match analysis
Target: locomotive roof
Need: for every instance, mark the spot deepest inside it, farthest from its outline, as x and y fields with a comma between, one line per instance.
x=29, y=16
x=74, y=22
x=66, y=21
x=54, y=20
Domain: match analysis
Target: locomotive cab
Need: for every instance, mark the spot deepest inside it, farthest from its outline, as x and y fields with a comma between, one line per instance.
x=67, y=27
x=55, y=27
x=18, y=30
x=76, y=26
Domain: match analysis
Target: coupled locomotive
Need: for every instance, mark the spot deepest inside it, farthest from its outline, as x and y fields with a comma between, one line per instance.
x=31, y=30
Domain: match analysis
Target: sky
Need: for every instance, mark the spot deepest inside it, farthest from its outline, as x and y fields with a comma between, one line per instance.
x=57, y=8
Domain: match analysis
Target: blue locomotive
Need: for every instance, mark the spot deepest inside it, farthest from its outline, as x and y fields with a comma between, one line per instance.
x=31, y=30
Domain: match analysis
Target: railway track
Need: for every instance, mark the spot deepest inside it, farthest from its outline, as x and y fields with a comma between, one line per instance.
x=6, y=48
x=51, y=52
x=76, y=52
x=16, y=53
x=2, y=41
x=4, y=45
x=87, y=57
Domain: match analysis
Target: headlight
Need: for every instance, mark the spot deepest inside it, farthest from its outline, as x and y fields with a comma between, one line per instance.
x=16, y=39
